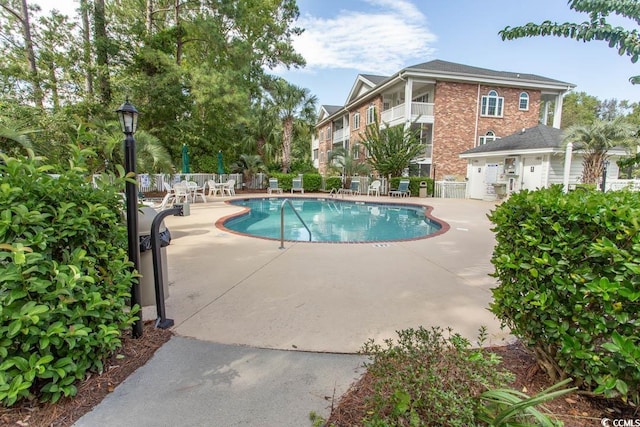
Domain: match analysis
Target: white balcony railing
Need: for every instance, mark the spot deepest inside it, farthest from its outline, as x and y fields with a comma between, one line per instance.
x=420, y=111
x=340, y=134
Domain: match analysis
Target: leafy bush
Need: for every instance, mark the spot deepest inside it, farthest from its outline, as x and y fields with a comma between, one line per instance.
x=332, y=183
x=569, y=272
x=312, y=182
x=65, y=279
x=429, y=379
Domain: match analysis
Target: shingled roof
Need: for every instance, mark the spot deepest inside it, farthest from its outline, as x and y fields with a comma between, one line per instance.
x=458, y=69
x=375, y=79
x=538, y=137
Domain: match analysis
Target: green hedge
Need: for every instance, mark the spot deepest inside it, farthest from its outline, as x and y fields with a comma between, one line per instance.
x=65, y=280
x=332, y=183
x=311, y=182
x=568, y=267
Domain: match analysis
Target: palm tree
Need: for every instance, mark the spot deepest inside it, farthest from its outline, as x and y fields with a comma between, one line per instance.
x=595, y=140
x=249, y=165
x=259, y=131
x=15, y=139
x=290, y=102
x=344, y=162
x=391, y=149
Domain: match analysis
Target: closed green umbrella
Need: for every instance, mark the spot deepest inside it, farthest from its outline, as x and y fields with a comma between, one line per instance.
x=185, y=159
x=220, y=165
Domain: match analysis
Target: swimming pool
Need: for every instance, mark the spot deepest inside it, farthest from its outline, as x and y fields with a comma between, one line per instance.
x=331, y=220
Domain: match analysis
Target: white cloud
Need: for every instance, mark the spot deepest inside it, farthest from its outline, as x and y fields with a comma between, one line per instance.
x=379, y=41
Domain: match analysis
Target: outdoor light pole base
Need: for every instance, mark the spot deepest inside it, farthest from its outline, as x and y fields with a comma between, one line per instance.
x=164, y=323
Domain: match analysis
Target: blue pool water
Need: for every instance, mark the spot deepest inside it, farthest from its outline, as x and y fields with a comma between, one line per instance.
x=332, y=220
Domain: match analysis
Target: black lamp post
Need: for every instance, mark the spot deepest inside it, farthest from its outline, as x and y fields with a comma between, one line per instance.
x=605, y=166
x=128, y=116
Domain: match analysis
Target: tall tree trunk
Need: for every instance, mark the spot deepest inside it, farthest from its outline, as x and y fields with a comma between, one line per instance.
x=149, y=17
x=102, y=52
x=88, y=61
x=260, y=143
x=287, y=135
x=23, y=17
x=179, y=41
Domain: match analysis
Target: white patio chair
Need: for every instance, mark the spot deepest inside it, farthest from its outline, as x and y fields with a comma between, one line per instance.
x=374, y=188
x=169, y=197
x=215, y=188
x=196, y=191
x=229, y=187
x=182, y=193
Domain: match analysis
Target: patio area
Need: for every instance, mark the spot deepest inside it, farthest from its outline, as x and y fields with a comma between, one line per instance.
x=232, y=289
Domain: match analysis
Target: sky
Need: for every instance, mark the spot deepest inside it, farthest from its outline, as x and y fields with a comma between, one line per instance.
x=344, y=38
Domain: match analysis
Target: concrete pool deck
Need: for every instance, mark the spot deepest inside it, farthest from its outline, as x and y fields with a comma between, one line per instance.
x=239, y=301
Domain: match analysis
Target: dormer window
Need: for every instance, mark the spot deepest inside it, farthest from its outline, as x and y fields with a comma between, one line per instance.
x=492, y=104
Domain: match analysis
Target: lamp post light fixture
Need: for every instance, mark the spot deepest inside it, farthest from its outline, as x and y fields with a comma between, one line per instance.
x=128, y=116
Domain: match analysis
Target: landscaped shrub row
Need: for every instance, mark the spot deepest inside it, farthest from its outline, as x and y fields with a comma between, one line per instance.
x=65, y=279
x=311, y=182
x=569, y=272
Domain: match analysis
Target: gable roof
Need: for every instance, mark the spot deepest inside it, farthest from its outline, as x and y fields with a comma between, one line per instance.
x=539, y=137
x=368, y=82
x=327, y=111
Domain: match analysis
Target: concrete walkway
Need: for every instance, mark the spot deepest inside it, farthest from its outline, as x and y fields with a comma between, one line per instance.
x=239, y=302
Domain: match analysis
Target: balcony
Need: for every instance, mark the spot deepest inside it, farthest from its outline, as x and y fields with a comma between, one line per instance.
x=341, y=134
x=421, y=112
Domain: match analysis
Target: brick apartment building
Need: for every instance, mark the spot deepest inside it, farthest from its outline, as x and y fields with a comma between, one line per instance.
x=456, y=107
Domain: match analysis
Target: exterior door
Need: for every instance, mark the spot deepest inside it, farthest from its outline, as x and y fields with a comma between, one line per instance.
x=476, y=180
x=531, y=173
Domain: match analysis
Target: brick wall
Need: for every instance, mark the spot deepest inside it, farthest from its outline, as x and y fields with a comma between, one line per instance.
x=456, y=109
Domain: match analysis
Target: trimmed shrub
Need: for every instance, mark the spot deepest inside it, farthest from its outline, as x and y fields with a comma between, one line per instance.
x=65, y=279
x=332, y=183
x=312, y=182
x=568, y=267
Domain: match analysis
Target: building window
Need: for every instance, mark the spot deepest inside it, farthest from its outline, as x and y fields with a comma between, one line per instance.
x=492, y=104
x=488, y=137
x=356, y=151
x=371, y=114
x=422, y=98
x=315, y=154
x=356, y=120
x=328, y=133
x=524, y=101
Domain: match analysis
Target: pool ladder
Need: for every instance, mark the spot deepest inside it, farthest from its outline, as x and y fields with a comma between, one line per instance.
x=282, y=221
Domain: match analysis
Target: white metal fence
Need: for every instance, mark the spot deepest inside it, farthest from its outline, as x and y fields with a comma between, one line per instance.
x=620, y=184
x=450, y=189
x=155, y=182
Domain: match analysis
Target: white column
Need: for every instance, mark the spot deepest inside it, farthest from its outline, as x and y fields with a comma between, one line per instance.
x=567, y=166
x=557, y=112
x=545, y=117
x=408, y=90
